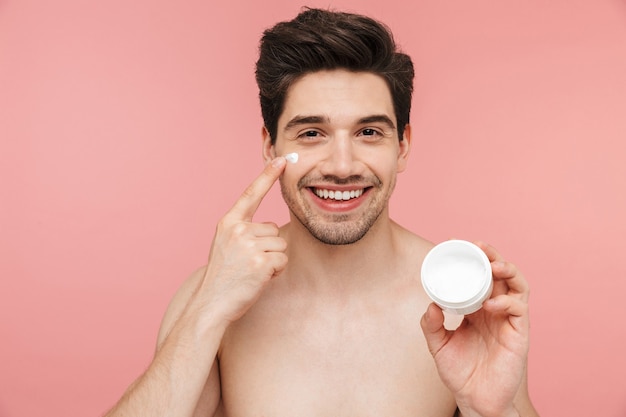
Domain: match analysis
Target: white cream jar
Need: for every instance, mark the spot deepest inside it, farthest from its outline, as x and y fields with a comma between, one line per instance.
x=456, y=275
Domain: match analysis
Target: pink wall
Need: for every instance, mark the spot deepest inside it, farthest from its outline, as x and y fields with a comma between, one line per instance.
x=118, y=120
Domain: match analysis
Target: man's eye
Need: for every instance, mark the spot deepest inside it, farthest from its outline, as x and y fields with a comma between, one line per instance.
x=309, y=134
x=372, y=133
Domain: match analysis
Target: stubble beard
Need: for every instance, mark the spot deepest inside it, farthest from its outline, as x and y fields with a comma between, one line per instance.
x=336, y=229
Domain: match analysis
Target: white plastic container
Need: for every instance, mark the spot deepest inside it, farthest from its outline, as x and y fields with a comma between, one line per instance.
x=456, y=275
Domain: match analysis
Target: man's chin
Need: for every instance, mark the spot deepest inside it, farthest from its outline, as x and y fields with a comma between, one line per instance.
x=336, y=237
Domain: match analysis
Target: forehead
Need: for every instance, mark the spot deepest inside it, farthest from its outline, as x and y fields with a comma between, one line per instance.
x=339, y=95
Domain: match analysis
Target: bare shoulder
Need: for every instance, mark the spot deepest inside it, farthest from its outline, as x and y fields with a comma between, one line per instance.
x=178, y=303
x=413, y=247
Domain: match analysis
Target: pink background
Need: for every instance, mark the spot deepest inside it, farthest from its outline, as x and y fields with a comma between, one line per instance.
x=129, y=127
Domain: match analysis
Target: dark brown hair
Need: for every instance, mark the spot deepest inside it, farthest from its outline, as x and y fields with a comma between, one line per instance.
x=322, y=40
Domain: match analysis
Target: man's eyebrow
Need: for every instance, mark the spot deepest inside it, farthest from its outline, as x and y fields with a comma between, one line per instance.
x=305, y=120
x=377, y=118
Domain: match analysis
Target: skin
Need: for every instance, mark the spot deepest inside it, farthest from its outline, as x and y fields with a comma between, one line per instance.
x=280, y=322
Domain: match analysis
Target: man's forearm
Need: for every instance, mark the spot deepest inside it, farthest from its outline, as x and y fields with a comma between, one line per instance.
x=521, y=409
x=174, y=381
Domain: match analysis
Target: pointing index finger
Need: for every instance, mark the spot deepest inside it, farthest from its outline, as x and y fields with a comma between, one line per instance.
x=245, y=207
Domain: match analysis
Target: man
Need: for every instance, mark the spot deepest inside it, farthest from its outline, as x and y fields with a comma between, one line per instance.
x=320, y=316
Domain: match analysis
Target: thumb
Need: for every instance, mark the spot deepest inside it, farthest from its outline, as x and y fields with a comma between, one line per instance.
x=432, y=325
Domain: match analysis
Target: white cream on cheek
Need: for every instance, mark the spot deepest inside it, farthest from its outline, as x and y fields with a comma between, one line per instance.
x=292, y=157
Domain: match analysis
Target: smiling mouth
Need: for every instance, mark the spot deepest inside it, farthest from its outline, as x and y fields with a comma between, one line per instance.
x=338, y=195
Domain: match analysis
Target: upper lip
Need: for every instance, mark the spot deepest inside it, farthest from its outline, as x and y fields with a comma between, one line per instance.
x=339, y=187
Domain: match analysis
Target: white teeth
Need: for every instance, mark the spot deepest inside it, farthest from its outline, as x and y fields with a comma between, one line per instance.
x=338, y=195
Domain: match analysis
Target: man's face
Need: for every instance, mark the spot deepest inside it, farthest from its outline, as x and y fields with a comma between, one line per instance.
x=342, y=125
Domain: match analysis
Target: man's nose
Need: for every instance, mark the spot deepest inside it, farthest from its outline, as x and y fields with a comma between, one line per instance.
x=340, y=158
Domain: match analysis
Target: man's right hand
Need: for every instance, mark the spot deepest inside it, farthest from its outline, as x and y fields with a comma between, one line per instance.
x=244, y=255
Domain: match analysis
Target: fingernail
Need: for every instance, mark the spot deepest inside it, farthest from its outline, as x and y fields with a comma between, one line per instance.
x=278, y=162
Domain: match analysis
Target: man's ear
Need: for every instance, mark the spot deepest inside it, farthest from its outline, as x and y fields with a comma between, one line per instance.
x=405, y=148
x=269, y=152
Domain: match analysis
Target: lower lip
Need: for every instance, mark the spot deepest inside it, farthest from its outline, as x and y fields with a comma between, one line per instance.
x=330, y=204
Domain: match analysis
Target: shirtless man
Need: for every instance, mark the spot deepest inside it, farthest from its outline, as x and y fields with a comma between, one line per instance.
x=321, y=317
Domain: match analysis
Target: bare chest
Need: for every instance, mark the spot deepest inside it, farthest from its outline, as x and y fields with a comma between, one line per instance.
x=368, y=360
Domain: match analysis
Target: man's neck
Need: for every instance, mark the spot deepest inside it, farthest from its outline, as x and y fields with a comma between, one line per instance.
x=338, y=268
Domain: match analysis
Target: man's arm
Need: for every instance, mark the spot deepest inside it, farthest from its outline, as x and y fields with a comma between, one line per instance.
x=522, y=404
x=244, y=257
x=183, y=373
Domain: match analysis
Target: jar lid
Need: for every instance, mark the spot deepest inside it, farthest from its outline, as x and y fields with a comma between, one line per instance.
x=456, y=274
